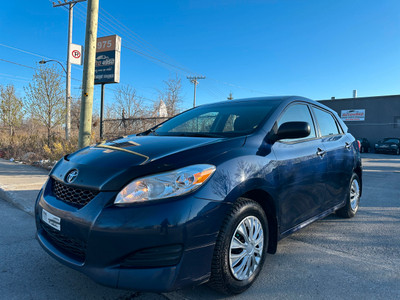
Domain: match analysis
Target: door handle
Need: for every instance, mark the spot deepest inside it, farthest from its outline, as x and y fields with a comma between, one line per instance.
x=321, y=152
x=348, y=145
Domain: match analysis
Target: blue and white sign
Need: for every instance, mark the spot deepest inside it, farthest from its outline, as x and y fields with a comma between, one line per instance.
x=108, y=56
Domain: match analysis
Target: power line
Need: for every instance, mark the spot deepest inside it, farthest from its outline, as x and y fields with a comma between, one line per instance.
x=12, y=62
x=144, y=42
x=149, y=51
x=25, y=66
x=153, y=58
x=24, y=51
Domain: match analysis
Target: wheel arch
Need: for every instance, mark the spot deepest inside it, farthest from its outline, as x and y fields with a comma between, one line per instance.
x=268, y=205
x=358, y=171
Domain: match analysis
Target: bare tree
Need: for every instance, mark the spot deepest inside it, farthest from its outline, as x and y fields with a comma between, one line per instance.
x=11, y=108
x=171, y=95
x=45, y=99
x=128, y=104
x=75, y=113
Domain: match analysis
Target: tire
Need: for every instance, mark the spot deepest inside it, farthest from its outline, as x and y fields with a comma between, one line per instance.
x=233, y=275
x=352, y=199
x=362, y=149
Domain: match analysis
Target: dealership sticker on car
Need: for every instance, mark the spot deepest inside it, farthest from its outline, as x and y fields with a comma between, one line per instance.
x=51, y=219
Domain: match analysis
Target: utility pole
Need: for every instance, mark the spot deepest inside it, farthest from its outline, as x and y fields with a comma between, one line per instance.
x=85, y=128
x=71, y=5
x=193, y=79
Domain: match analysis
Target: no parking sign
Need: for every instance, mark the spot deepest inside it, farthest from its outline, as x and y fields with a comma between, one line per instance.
x=75, y=54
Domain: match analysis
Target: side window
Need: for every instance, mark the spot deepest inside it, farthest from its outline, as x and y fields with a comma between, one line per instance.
x=326, y=122
x=298, y=113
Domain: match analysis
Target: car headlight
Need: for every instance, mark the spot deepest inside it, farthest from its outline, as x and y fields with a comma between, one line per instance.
x=376, y=145
x=393, y=146
x=165, y=185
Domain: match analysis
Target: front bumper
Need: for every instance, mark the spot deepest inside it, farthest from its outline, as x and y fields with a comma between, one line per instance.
x=104, y=241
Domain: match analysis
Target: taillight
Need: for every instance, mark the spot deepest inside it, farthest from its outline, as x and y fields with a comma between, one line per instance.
x=359, y=145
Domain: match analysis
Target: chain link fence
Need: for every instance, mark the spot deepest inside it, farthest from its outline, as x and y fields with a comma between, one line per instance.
x=113, y=128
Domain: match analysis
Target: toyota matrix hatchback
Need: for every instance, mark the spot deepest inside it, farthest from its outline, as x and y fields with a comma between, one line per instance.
x=202, y=197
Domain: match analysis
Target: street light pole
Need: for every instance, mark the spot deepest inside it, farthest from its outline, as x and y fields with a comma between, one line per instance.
x=68, y=83
x=42, y=62
x=71, y=4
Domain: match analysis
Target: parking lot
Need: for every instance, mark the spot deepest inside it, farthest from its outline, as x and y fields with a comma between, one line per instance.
x=331, y=259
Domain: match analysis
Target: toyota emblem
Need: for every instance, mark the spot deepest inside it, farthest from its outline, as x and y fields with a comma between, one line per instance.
x=71, y=176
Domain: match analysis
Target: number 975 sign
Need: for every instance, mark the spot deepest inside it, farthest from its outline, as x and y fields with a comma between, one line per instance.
x=108, y=55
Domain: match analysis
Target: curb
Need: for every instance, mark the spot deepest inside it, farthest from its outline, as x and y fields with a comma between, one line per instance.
x=8, y=196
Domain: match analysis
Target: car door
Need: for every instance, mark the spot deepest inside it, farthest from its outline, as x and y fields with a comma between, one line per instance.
x=301, y=166
x=339, y=156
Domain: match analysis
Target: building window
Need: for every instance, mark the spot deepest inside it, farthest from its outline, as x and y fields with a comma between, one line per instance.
x=396, y=123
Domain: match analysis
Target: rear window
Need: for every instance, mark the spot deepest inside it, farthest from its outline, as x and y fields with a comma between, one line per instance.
x=391, y=141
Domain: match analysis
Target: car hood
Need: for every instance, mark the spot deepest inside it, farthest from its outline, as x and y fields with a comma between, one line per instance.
x=111, y=165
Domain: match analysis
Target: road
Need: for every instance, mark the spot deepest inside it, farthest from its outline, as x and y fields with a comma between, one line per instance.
x=331, y=259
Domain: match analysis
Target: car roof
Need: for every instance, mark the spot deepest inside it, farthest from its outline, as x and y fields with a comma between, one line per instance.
x=282, y=99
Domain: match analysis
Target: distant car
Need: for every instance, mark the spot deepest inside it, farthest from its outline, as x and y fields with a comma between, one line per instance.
x=388, y=145
x=201, y=197
x=365, y=145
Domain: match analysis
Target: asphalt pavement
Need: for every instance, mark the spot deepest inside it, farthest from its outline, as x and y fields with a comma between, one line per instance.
x=331, y=259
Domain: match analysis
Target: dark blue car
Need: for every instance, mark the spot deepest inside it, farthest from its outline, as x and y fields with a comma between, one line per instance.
x=202, y=197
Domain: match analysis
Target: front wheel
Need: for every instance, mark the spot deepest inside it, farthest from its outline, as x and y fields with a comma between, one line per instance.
x=352, y=199
x=241, y=248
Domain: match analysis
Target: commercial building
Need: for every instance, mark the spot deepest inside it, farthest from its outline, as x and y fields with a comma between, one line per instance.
x=373, y=118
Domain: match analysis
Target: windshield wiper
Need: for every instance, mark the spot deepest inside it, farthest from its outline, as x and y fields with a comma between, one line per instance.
x=200, y=134
x=148, y=131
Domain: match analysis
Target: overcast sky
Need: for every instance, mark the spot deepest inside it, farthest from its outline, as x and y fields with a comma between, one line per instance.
x=313, y=48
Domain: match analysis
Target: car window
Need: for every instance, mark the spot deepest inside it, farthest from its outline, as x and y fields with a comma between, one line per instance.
x=219, y=120
x=391, y=141
x=298, y=113
x=201, y=123
x=326, y=122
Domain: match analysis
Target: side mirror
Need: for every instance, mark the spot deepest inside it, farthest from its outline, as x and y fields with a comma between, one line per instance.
x=293, y=130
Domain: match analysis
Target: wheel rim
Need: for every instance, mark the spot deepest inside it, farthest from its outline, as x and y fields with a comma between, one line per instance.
x=246, y=248
x=354, y=195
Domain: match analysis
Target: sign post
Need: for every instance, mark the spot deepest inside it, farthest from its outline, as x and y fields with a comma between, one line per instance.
x=108, y=58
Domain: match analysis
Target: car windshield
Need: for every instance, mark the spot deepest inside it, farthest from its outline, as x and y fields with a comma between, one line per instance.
x=390, y=141
x=219, y=120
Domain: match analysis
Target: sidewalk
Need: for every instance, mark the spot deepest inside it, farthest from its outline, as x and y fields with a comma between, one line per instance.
x=20, y=184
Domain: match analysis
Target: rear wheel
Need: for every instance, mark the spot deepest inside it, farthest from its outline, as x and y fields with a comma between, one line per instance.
x=353, y=199
x=240, y=249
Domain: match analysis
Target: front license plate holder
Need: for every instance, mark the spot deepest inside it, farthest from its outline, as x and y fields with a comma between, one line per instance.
x=51, y=220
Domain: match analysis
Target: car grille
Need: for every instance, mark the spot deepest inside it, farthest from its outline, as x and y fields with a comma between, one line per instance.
x=74, y=196
x=74, y=247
